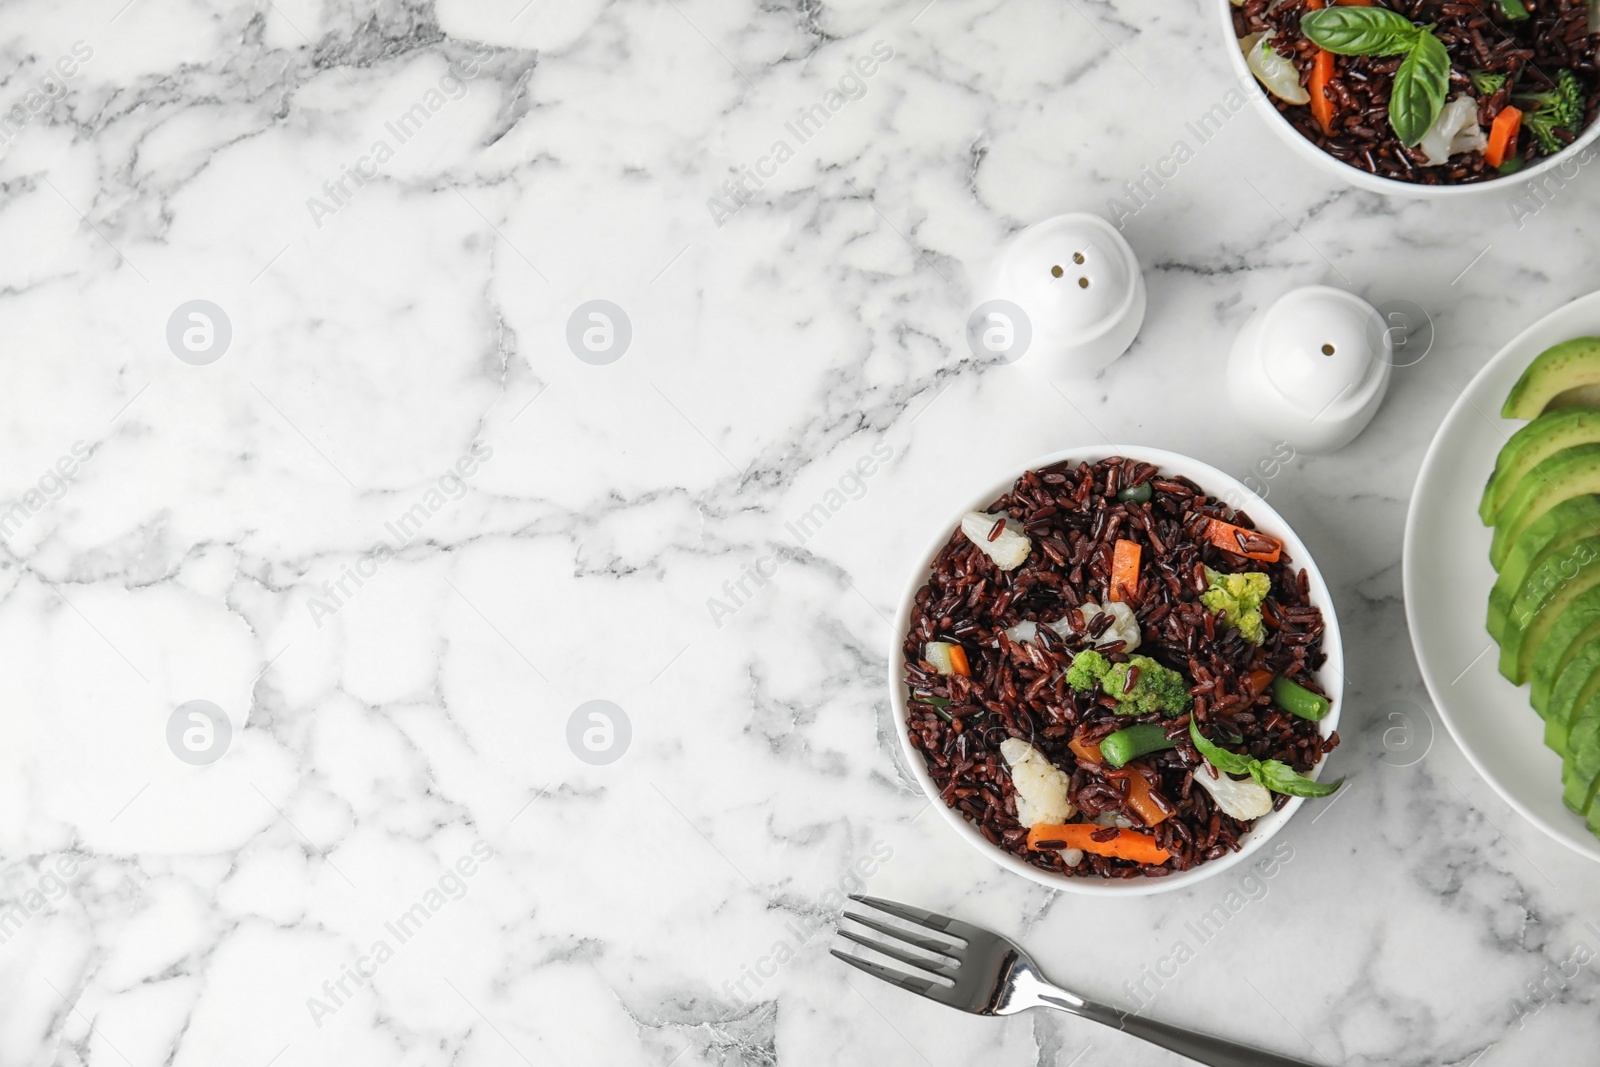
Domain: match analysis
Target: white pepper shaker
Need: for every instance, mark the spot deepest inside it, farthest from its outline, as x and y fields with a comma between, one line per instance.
x=1311, y=368
x=1080, y=290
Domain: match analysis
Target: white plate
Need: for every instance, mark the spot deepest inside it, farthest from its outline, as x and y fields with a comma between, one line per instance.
x=1447, y=578
x=1218, y=485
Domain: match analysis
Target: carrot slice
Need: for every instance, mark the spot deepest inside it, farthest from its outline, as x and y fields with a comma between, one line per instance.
x=958, y=660
x=1141, y=798
x=1259, y=680
x=1322, y=71
x=1086, y=751
x=1235, y=539
x=1126, y=845
x=1321, y=74
x=1125, y=570
x=1503, y=136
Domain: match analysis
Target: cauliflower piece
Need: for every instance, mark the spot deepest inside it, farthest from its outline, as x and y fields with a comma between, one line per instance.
x=1124, y=627
x=1112, y=818
x=1272, y=69
x=1010, y=548
x=1456, y=130
x=1242, y=798
x=1041, y=786
x=1022, y=633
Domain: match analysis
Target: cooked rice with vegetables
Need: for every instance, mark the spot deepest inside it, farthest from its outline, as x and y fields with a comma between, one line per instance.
x=1043, y=726
x=1427, y=91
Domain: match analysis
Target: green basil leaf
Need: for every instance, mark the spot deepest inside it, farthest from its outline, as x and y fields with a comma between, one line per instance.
x=1281, y=778
x=1419, y=89
x=1220, y=758
x=1360, y=31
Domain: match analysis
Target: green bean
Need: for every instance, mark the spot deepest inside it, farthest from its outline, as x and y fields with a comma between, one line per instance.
x=1135, y=741
x=1298, y=700
x=1135, y=494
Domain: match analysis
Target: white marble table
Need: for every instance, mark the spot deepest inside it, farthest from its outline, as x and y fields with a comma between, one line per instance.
x=397, y=567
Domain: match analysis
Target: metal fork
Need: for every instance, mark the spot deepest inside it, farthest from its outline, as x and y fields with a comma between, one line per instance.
x=987, y=974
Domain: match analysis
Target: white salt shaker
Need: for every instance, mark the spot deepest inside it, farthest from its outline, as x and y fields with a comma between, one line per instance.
x=1311, y=368
x=1079, y=289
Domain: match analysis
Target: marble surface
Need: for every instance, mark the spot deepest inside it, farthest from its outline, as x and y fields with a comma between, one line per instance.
x=399, y=569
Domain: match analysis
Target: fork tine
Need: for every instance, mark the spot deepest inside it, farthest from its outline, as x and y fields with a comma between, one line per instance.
x=921, y=963
x=929, y=919
x=920, y=986
x=927, y=944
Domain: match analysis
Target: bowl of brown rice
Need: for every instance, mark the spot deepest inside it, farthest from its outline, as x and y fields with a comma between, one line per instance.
x=1117, y=671
x=1508, y=90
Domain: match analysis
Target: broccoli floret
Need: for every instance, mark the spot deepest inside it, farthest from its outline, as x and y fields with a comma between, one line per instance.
x=1155, y=688
x=1088, y=667
x=1560, y=108
x=1486, y=82
x=1237, y=598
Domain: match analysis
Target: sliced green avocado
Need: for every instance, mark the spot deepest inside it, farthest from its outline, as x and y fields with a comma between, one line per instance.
x=1577, y=627
x=1581, y=767
x=1578, y=681
x=1577, y=792
x=1535, y=442
x=1569, y=473
x=1569, y=365
x=1548, y=591
x=1555, y=531
x=1556, y=736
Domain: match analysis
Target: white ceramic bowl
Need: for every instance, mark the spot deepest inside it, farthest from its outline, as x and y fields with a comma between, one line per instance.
x=1569, y=159
x=1218, y=485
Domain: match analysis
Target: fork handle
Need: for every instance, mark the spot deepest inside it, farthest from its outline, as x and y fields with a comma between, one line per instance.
x=1202, y=1048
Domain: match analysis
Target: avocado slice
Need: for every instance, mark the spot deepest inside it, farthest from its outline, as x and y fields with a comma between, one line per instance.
x=1569, y=365
x=1577, y=627
x=1557, y=735
x=1569, y=473
x=1554, y=532
x=1548, y=591
x=1577, y=683
x=1580, y=770
x=1577, y=792
x=1537, y=441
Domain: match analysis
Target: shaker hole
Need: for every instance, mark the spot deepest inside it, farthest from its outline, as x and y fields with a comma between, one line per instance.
x=1083, y=283
x=1056, y=271
x=1327, y=350
x=1077, y=257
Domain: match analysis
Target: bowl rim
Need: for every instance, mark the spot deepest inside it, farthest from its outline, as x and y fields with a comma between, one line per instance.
x=1371, y=182
x=1331, y=675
